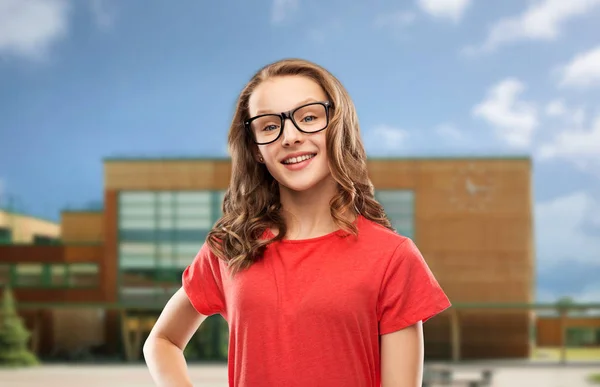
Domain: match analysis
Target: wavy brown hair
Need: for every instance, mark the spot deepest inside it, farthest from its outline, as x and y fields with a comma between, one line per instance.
x=251, y=203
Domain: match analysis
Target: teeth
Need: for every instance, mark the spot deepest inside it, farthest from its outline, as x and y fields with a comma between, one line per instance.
x=294, y=160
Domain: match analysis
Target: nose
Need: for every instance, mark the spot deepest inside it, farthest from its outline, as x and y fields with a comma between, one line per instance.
x=291, y=135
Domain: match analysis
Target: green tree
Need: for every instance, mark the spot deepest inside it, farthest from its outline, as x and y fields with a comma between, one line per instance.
x=14, y=337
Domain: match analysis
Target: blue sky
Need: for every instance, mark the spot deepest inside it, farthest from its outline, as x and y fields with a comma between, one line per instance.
x=83, y=80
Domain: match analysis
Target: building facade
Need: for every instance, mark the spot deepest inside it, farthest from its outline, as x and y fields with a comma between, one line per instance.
x=471, y=218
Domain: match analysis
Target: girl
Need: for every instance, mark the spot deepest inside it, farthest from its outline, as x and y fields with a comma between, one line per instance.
x=316, y=287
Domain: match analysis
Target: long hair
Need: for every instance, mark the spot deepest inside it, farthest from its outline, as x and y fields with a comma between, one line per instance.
x=251, y=203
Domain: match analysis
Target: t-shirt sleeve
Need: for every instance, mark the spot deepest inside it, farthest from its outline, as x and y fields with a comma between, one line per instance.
x=202, y=282
x=409, y=291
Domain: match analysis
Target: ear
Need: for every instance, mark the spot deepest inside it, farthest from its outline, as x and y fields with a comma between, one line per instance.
x=257, y=155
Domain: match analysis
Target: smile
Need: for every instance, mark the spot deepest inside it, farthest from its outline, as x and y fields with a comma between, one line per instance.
x=299, y=159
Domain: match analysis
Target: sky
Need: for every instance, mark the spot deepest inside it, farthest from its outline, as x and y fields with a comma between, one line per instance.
x=84, y=80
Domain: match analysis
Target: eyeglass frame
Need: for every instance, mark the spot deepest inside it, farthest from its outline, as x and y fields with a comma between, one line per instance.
x=289, y=114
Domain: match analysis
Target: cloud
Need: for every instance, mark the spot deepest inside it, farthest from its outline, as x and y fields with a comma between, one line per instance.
x=559, y=229
x=583, y=71
x=281, y=9
x=543, y=20
x=580, y=147
x=558, y=109
x=514, y=120
x=570, y=278
x=445, y=9
x=29, y=28
x=385, y=139
x=103, y=13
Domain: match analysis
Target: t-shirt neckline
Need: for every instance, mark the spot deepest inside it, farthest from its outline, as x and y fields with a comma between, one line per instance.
x=269, y=234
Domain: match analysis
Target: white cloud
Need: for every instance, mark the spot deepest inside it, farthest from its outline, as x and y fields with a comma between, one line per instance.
x=558, y=230
x=543, y=20
x=514, y=120
x=385, y=138
x=581, y=147
x=590, y=294
x=558, y=109
x=281, y=9
x=103, y=13
x=28, y=28
x=448, y=9
x=583, y=71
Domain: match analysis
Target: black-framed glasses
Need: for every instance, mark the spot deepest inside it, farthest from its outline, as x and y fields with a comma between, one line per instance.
x=310, y=118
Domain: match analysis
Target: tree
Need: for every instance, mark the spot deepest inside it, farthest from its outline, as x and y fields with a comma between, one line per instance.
x=13, y=335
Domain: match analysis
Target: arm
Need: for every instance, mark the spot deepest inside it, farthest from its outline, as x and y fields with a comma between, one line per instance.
x=163, y=350
x=402, y=357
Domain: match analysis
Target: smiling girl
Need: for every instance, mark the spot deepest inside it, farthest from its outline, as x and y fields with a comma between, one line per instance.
x=315, y=285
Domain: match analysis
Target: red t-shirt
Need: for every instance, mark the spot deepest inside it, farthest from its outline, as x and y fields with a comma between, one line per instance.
x=310, y=312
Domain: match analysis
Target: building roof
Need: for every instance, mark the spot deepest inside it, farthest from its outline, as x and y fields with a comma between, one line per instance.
x=24, y=215
x=133, y=158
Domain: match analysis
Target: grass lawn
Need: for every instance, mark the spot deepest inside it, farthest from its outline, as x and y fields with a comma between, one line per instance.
x=573, y=354
x=594, y=378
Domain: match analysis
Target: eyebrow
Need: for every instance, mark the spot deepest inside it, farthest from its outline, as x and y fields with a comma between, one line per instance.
x=303, y=102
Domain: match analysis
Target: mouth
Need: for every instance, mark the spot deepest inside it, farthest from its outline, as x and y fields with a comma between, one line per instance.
x=298, y=158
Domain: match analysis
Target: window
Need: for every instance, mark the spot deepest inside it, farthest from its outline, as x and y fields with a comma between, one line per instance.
x=29, y=275
x=580, y=336
x=5, y=236
x=58, y=275
x=44, y=240
x=83, y=275
x=4, y=274
x=399, y=205
x=159, y=235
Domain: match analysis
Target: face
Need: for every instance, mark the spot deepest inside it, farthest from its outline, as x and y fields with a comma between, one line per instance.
x=297, y=160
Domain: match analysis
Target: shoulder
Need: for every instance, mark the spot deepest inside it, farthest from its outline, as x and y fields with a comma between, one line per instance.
x=377, y=235
x=387, y=246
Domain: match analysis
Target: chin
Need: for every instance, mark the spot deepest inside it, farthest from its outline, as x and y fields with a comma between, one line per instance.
x=305, y=184
x=298, y=186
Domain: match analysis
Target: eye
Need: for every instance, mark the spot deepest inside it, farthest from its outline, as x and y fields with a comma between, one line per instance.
x=309, y=118
x=270, y=127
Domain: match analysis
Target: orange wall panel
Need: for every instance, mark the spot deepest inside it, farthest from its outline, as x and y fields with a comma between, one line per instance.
x=110, y=261
x=82, y=227
x=548, y=329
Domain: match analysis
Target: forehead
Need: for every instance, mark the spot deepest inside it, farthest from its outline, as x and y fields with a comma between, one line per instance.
x=284, y=93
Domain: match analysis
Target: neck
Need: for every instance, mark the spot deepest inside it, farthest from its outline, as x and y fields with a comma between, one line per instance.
x=307, y=214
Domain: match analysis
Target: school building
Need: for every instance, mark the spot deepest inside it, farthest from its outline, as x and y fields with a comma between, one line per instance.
x=471, y=217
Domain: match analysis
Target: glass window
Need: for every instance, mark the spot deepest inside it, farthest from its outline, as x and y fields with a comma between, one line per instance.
x=136, y=198
x=4, y=274
x=399, y=207
x=44, y=240
x=161, y=231
x=137, y=261
x=29, y=275
x=153, y=294
x=195, y=198
x=136, y=223
x=83, y=275
x=580, y=336
x=5, y=235
x=58, y=275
